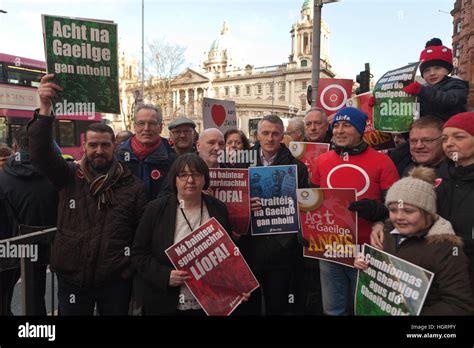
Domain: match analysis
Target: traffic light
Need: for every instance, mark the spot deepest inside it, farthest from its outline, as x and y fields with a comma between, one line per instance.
x=364, y=80
x=309, y=94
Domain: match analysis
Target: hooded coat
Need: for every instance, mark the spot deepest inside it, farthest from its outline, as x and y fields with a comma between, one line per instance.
x=439, y=250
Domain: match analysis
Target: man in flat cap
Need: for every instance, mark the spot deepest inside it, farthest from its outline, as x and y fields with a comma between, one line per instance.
x=182, y=135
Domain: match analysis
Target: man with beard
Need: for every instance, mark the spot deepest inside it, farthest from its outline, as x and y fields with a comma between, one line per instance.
x=100, y=204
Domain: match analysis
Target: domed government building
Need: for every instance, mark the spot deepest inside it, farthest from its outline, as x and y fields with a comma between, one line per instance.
x=257, y=91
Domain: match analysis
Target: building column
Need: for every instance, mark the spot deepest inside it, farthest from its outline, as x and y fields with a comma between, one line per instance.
x=293, y=43
x=186, y=101
x=195, y=107
x=301, y=43
x=297, y=44
x=174, y=100
x=292, y=93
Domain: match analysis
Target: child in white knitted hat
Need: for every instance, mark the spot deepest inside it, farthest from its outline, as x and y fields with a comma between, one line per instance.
x=417, y=234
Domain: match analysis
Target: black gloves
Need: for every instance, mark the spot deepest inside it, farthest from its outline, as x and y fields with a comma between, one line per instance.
x=369, y=209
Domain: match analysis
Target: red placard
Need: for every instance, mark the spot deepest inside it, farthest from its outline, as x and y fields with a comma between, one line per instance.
x=327, y=224
x=308, y=153
x=231, y=187
x=333, y=93
x=219, y=273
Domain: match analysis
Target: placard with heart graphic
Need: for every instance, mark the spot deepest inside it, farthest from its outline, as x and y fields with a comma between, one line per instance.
x=219, y=114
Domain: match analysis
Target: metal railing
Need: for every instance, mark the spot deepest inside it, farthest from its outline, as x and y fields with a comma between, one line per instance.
x=27, y=266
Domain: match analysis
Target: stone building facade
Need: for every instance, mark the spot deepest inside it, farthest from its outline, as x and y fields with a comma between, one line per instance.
x=257, y=91
x=463, y=43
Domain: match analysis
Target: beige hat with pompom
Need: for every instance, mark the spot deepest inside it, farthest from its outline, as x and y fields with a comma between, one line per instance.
x=417, y=189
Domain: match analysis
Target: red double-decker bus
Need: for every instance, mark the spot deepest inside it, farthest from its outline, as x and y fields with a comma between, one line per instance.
x=19, y=80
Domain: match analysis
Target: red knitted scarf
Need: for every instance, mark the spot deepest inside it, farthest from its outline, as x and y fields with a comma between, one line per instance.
x=141, y=150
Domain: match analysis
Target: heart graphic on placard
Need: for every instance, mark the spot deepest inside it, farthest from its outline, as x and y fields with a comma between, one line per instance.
x=218, y=114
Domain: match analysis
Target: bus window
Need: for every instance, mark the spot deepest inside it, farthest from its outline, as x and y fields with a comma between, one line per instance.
x=12, y=129
x=3, y=130
x=66, y=133
x=23, y=76
x=2, y=78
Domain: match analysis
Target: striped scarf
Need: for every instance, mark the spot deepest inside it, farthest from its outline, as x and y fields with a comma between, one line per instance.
x=100, y=185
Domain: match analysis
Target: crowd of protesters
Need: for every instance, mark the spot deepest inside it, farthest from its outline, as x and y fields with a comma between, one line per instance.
x=120, y=207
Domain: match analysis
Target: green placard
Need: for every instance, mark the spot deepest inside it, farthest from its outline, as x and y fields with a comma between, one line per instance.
x=82, y=53
x=395, y=110
x=390, y=285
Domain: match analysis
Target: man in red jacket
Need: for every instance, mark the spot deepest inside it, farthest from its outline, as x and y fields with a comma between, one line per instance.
x=352, y=164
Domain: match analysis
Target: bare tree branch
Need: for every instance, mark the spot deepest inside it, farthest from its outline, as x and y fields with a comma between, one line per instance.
x=163, y=62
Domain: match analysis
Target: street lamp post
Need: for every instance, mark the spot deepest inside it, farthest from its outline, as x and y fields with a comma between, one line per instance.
x=143, y=48
x=317, y=7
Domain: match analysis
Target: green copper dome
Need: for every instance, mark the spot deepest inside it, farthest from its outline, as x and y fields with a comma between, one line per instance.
x=223, y=40
x=307, y=4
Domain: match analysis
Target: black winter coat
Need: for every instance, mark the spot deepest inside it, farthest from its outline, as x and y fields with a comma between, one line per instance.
x=32, y=198
x=155, y=234
x=445, y=99
x=279, y=251
x=401, y=157
x=29, y=199
x=91, y=246
x=455, y=202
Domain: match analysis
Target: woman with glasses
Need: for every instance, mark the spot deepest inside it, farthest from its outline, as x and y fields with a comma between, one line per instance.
x=166, y=221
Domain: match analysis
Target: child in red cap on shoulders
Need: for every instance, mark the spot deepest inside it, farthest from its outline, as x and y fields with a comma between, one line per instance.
x=442, y=96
